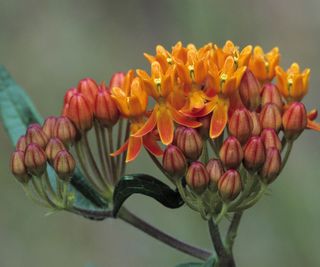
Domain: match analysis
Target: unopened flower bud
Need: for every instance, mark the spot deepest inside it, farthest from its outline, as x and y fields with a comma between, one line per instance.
x=67, y=96
x=203, y=130
x=105, y=109
x=256, y=129
x=65, y=130
x=22, y=143
x=18, y=167
x=270, y=117
x=229, y=185
x=190, y=142
x=89, y=89
x=215, y=170
x=36, y=135
x=54, y=146
x=270, y=139
x=35, y=159
x=174, y=162
x=117, y=80
x=177, y=133
x=271, y=166
x=80, y=112
x=48, y=125
x=64, y=165
x=254, y=154
x=231, y=153
x=249, y=91
x=240, y=125
x=294, y=120
x=197, y=177
x=271, y=94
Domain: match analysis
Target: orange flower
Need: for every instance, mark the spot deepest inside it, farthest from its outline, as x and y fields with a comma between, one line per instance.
x=263, y=65
x=293, y=84
x=160, y=85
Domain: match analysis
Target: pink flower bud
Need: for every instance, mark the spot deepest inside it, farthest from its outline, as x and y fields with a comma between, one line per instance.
x=65, y=131
x=54, y=146
x=229, y=185
x=256, y=129
x=117, y=80
x=70, y=92
x=249, y=91
x=190, y=142
x=254, y=154
x=22, y=143
x=64, y=165
x=271, y=94
x=36, y=135
x=35, y=159
x=177, y=134
x=270, y=139
x=174, y=162
x=197, y=177
x=89, y=89
x=270, y=117
x=272, y=165
x=215, y=170
x=18, y=167
x=294, y=120
x=231, y=153
x=48, y=125
x=241, y=125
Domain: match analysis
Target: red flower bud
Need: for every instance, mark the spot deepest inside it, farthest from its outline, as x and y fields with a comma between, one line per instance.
x=64, y=165
x=70, y=93
x=270, y=139
x=197, y=177
x=272, y=165
x=174, y=162
x=65, y=131
x=271, y=94
x=256, y=129
x=80, y=112
x=254, y=154
x=48, y=125
x=231, y=153
x=54, y=146
x=240, y=125
x=117, y=80
x=18, y=167
x=215, y=170
x=294, y=120
x=105, y=109
x=229, y=185
x=270, y=117
x=35, y=159
x=190, y=142
x=249, y=91
x=89, y=89
x=22, y=143
x=36, y=135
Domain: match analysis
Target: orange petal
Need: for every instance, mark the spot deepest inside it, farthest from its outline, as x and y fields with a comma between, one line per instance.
x=134, y=147
x=182, y=120
x=208, y=107
x=122, y=149
x=219, y=119
x=151, y=145
x=149, y=125
x=165, y=125
x=313, y=125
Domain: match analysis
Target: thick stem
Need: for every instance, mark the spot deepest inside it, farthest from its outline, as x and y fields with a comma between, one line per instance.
x=135, y=221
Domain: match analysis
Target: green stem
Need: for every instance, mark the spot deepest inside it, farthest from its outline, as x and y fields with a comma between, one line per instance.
x=114, y=168
x=232, y=231
x=254, y=199
x=286, y=156
x=119, y=140
x=107, y=152
x=123, y=156
x=160, y=167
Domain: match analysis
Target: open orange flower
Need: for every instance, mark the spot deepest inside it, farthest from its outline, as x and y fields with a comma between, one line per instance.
x=160, y=85
x=132, y=102
x=293, y=84
x=263, y=65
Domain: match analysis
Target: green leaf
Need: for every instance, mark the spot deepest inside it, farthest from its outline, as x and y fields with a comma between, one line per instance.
x=146, y=185
x=16, y=113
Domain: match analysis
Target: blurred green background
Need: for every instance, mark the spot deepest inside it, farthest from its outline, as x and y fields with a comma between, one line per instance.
x=49, y=45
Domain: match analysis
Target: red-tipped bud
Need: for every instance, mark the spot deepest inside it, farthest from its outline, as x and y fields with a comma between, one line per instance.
x=70, y=93
x=105, y=109
x=249, y=91
x=177, y=133
x=254, y=154
x=80, y=112
x=197, y=177
x=271, y=94
x=174, y=162
x=229, y=185
x=48, y=125
x=294, y=120
x=65, y=130
x=64, y=165
x=256, y=129
x=190, y=142
x=241, y=125
x=36, y=135
x=313, y=114
x=117, y=80
x=272, y=165
x=18, y=168
x=21, y=143
x=215, y=170
x=203, y=130
x=54, y=146
x=231, y=153
x=270, y=117
x=89, y=89
x=35, y=159
x=270, y=139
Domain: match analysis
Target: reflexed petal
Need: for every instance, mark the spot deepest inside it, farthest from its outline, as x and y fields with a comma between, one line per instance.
x=134, y=147
x=208, y=107
x=149, y=57
x=149, y=125
x=151, y=144
x=165, y=125
x=313, y=125
x=182, y=120
x=122, y=149
x=219, y=119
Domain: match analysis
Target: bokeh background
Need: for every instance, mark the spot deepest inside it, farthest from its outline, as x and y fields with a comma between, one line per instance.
x=49, y=45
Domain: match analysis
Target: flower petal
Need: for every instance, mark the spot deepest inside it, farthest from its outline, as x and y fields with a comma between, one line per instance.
x=313, y=125
x=134, y=147
x=165, y=125
x=219, y=119
x=122, y=149
x=149, y=125
x=151, y=145
x=183, y=120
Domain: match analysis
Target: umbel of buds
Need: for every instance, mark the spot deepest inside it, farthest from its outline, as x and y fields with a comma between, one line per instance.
x=241, y=125
x=49, y=125
x=254, y=154
x=190, y=142
x=231, y=153
x=229, y=185
x=65, y=131
x=174, y=162
x=89, y=88
x=270, y=139
x=249, y=91
x=271, y=166
x=64, y=165
x=270, y=94
x=270, y=117
x=54, y=146
x=197, y=177
x=18, y=167
x=215, y=170
x=35, y=159
x=36, y=135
